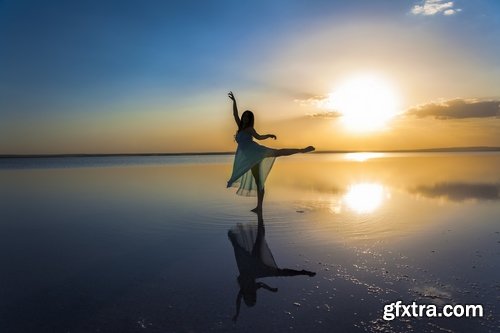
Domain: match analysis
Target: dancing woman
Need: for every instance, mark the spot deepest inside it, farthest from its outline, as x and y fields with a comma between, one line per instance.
x=253, y=162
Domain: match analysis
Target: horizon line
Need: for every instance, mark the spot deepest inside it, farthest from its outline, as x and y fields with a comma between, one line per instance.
x=421, y=150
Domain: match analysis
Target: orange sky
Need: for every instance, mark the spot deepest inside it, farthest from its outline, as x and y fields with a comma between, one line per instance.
x=442, y=68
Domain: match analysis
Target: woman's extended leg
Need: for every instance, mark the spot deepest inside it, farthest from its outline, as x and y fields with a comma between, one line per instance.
x=292, y=151
x=260, y=189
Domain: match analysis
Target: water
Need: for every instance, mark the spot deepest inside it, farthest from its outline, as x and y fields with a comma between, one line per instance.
x=140, y=244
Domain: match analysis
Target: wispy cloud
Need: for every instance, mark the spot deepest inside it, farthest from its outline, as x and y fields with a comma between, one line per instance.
x=325, y=115
x=457, y=109
x=433, y=7
x=320, y=102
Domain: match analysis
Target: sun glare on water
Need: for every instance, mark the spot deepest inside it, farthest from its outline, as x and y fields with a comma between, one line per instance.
x=364, y=197
x=365, y=103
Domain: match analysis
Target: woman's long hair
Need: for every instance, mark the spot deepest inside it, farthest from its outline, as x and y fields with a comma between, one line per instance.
x=247, y=120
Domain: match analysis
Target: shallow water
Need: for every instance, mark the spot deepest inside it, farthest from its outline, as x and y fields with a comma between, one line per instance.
x=141, y=243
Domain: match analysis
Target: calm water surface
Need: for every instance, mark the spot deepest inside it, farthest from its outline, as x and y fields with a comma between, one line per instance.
x=140, y=244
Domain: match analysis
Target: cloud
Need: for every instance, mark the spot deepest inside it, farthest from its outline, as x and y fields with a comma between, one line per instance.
x=325, y=115
x=457, y=109
x=460, y=191
x=433, y=7
x=320, y=102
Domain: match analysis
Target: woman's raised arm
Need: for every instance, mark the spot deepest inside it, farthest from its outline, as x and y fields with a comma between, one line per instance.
x=235, y=109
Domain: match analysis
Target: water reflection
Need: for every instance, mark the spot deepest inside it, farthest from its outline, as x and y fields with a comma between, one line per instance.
x=103, y=243
x=361, y=198
x=361, y=157
x=255, y=260
x=459, y=191
x=364, y=198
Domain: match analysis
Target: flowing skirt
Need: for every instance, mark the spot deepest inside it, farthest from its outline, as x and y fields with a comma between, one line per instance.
x=252, y=253
x=248, y=154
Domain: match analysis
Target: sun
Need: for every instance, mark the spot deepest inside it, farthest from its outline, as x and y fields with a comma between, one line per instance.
x=365, y=102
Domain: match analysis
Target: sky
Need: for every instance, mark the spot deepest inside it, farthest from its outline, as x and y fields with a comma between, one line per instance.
x=153, y=76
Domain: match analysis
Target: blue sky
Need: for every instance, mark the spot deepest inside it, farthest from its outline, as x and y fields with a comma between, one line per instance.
x=111, y=62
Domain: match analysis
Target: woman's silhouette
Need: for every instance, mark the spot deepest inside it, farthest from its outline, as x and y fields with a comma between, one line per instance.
x=253, y=162
x=255, y=260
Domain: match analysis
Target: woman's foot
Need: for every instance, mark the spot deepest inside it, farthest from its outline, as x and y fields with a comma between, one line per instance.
x=309, y=273
x=256, y=210
x=308, y=149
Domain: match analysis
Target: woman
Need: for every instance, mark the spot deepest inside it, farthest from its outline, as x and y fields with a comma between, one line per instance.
x=253, y=162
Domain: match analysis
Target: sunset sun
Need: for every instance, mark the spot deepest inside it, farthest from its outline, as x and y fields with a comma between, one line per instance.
x=365, y=102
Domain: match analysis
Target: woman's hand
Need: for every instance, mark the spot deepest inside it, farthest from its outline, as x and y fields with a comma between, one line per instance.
x=235, y=109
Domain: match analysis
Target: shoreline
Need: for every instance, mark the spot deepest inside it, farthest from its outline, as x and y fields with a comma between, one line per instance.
x=425, y=150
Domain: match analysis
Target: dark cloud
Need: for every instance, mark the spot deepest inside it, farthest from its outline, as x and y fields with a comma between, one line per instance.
x=460, y=191
x=457, y=109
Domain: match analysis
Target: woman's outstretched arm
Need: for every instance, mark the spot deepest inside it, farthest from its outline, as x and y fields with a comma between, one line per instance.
x=265, y=286
x=262, y=137
x=235, y=108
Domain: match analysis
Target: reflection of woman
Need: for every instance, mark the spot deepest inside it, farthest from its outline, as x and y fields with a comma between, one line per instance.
x=255, y=260
x=253, y=162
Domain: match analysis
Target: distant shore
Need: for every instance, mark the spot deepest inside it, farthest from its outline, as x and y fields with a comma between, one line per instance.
x=426, y=150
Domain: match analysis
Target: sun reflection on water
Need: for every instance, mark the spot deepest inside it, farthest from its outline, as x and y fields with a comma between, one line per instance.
x=364, y=198
x=363, y=156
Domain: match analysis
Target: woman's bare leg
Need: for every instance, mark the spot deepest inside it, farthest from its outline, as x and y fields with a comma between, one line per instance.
x=256, y=173
x=260, y=191
x=292, y=151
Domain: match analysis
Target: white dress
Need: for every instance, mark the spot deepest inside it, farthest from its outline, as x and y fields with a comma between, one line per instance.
x=248, y=154
x=253, y=256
